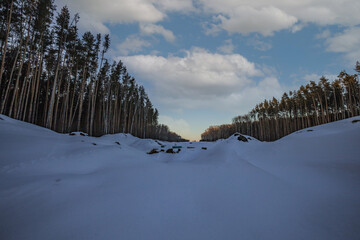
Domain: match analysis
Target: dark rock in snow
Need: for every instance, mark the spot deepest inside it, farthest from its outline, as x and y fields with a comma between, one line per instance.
x=204, y=148
x=356, y=120
x=170, y=150
x=78, y=133
x=242, y=138
x=153, y=151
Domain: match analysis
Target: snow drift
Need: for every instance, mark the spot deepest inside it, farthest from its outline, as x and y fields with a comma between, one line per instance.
x=61, y=186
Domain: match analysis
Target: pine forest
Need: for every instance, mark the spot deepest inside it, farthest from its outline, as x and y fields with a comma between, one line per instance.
x=53, y=77
x=310, y=105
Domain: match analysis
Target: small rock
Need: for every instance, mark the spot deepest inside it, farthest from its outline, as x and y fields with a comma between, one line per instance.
x=170, y=150
x=242, y=138
x=153, y=151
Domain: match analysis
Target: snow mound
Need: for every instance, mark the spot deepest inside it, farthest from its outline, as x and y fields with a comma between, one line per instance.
x=60, y=186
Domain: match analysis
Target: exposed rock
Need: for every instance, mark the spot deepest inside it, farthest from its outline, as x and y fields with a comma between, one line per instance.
x=154, y=150
x=170, y=150
x=242, y=138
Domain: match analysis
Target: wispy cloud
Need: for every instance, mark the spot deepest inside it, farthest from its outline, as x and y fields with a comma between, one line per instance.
x=347, y=42
x=227, y=48
x=132, y=44
x=149, y=29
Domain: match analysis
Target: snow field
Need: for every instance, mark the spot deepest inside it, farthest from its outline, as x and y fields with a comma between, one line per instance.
x=55, y=186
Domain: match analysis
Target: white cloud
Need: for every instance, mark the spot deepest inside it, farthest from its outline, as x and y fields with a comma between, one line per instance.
x=149, y=29
x=323, y=35
x=259, y=44
x=211, y=29
x=132, y=44
x=175, y=5
x=227, y=48
x=265, y=20
x=347, y=42
x=297, y=27
x=115, y=11
x=94, y=13
x=268, y=16
x=90, y=24
x=245, y=16
x=204, y=80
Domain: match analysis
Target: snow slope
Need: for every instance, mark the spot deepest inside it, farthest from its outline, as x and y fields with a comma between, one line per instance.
x=57, y=186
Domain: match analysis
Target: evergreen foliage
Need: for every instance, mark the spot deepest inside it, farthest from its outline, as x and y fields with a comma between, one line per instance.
x=52, y=77
x=310, y=105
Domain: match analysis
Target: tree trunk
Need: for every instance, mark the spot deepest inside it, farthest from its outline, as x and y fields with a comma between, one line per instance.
x=5, y=44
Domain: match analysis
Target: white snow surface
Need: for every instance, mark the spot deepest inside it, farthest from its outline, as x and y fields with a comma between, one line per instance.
x=56, y=186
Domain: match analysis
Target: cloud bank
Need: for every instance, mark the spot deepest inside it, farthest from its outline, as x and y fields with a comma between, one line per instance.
x=204, y=80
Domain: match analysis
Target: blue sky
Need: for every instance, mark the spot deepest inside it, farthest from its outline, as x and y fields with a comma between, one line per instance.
x=203, y=62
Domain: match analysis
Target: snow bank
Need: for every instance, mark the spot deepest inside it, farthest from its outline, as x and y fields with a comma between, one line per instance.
x=58, y=186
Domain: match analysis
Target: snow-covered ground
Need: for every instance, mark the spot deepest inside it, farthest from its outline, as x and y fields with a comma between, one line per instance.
x=57, y=186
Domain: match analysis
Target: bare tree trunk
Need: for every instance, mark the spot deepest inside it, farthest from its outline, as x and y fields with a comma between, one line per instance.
x=133, y=117
x=5, y=99
x=36, y=96
x=326, y=108
x=5, y=44
x=49, y=119
x=26, y=84
x=322, y=110
x=72, y=112
x=81, y=97
x=55, y=123
x=14, y=96
x=315, y=111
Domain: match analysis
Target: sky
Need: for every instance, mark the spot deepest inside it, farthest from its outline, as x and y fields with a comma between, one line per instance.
x=203, y=62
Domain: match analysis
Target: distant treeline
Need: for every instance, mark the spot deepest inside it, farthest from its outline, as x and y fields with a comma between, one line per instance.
x=51, y=76
x=310, y=105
